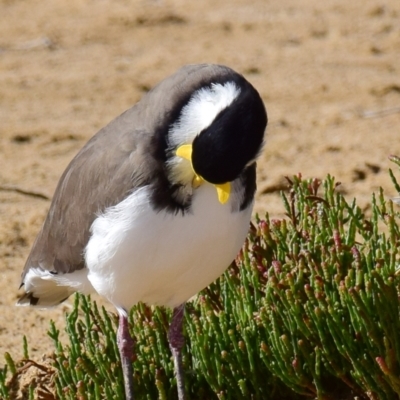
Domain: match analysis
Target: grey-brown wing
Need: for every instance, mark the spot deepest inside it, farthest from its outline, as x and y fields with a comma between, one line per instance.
x=112, y=164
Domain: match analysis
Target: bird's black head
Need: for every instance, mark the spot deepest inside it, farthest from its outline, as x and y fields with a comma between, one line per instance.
x=233, y=140
x=217, y=129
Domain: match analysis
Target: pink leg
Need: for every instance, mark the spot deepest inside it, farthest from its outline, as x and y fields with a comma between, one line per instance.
x=176, y=342
x=125, y=346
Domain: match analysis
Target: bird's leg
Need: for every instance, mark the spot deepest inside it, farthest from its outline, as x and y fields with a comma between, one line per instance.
x=125, y=346
x=176, y=342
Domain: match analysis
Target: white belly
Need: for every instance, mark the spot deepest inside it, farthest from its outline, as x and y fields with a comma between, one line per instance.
x=136, y=254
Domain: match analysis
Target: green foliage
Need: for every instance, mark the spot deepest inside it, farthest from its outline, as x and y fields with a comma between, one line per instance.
x=89, y=366
x=331, y=297
x=309, y=309
x=4, y=392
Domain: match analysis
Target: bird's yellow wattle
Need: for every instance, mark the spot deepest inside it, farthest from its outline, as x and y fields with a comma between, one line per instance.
x=223, y=192
x=223, y=189
x=197, y=181
x=185, y=151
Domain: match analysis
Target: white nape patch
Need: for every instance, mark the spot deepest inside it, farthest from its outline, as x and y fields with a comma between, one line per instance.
x=138, y=254
x=197, y=115
x=200, y=112
x=51, y=289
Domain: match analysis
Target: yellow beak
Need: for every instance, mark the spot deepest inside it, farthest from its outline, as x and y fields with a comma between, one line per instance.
x=223, y=189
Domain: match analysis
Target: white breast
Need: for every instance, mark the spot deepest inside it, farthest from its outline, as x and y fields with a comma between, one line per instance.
x=137, y=254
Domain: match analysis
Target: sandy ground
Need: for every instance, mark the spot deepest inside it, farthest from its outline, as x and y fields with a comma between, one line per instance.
x=329, y=73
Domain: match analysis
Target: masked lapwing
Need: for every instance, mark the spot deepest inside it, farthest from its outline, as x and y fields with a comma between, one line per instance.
x=156, y=205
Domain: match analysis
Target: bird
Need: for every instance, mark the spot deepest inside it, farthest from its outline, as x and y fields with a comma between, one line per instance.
x=156, y=205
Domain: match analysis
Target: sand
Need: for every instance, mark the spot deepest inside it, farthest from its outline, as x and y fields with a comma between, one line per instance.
x=329, y=73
